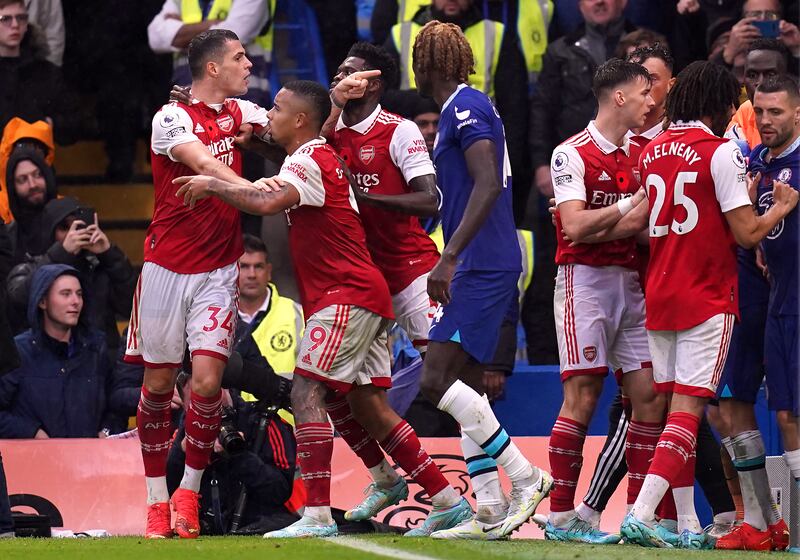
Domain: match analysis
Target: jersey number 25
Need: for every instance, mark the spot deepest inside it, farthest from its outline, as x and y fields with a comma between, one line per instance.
x=679, y=198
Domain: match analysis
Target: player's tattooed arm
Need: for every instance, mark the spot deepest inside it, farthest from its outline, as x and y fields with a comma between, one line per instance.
x=196, y=156
x=246, y=139
x=265, y=197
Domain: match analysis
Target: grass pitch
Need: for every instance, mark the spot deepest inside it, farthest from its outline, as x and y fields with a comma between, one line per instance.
x=341, y=548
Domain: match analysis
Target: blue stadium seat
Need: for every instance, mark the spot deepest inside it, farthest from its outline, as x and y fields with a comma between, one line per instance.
x=297, y=51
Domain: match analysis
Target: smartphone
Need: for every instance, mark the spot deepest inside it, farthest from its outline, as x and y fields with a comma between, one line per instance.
x=84, y=214
x=769, y=28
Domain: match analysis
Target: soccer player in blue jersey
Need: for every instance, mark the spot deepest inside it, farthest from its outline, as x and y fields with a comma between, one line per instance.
x=777, y=159
x=475, y=281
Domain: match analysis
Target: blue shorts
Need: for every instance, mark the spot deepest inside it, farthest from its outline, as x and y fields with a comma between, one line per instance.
x=744, y=368
x=782, y=354
x=479, y=302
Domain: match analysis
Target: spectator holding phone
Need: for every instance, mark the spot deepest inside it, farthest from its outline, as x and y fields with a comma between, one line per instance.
x=74, y=238
x=760, y=19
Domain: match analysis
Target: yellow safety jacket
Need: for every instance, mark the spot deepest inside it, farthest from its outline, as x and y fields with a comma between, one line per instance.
x=407, y=9
x=485, y=38
x=278, y=334
x=532, y=23
x=192, y=13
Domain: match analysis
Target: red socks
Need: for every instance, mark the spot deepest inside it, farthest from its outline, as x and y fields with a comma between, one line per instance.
x=314, y=453
x=404, y=447
x=155, y=433
x=202, y=428
x=639, y=449
x=675, y=447
x=352, y=432
x=566, y=460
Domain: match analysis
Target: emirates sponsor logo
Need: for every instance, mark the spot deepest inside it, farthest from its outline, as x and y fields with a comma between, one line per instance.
x=225, y=123
x=366, y=154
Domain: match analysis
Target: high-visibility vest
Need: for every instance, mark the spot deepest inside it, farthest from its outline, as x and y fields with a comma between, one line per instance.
x=485, y=37
x=407, y=9
x=525, y=240
x=533, y=21
x=192, y=13
x=277, y=335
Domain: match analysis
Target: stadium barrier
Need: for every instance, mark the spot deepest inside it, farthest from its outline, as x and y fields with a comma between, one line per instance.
x=98, y=484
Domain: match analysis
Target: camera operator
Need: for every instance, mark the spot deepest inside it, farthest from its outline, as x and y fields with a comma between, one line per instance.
x=266, y=473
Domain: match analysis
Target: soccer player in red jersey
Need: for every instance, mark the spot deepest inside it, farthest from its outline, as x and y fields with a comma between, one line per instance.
x=699, y=208
x=186, y=293
x=347, y=306
x=599, y=305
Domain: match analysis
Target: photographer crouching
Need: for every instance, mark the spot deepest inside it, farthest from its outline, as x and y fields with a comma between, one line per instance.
x=251, y=472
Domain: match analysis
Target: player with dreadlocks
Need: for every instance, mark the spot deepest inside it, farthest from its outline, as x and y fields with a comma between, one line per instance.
x=699, y=209
x=474, y=281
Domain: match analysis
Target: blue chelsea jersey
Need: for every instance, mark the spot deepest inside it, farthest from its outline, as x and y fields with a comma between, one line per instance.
x=781, y=244
x=468, y=116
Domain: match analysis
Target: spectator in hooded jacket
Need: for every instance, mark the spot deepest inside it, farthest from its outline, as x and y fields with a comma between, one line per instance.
x=104, y=268
x=59, y=390
x=31, y=185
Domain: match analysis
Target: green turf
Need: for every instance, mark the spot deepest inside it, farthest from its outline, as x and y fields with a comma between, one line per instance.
x=244, y=548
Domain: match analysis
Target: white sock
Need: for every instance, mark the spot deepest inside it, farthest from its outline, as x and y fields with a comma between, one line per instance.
x=384, y=475
x=483, y=474
x=157, y=492
x=478, y=421
x=750, y=462
x=588, y=514
x=653, y=489
x=191, y=478
x=322, y=514
x=792, y=459
x=684, y=504
x=560, y=518
x=445, y=498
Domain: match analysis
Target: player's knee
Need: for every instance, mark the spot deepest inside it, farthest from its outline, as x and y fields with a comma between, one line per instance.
x=205, y=385
x=159, y=382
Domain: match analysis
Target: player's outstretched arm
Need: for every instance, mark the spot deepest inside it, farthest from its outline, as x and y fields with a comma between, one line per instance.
x=265, y=197
x=749, y=228
x=196, y=156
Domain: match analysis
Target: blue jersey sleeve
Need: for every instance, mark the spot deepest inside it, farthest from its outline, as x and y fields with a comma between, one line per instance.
x=475, y=121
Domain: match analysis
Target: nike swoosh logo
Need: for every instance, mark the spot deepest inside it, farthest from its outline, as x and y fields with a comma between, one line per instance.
x=461, y=115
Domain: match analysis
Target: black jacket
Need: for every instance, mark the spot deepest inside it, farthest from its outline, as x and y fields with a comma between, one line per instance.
x=26, y=231
x=59, y=387
x=9, y=358
x=109, y=276
x=32, y=88
x=563, y=103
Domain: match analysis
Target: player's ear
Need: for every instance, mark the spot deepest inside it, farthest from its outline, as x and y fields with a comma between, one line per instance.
x=619, y=97
x=211, y=68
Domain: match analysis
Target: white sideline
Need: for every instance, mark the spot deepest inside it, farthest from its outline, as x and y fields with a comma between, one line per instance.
x=366, y=546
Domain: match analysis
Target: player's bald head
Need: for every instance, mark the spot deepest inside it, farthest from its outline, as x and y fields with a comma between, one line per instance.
x=310, y=98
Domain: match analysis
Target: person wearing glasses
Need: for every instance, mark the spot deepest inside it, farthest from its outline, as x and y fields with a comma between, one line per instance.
x=760, y=19
x=32, y=87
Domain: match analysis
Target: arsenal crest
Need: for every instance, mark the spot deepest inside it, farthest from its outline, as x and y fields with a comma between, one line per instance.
x=590, y=353
x=366, y=154
x=225, y=123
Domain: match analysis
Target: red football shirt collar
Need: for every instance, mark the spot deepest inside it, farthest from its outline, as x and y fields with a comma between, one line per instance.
x=361, y=127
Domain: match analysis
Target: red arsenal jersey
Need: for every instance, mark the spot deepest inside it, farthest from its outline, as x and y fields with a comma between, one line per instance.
x=590, y=168
x=326, y=238
x=385, y=152
x=692, y=178
x=208, y=236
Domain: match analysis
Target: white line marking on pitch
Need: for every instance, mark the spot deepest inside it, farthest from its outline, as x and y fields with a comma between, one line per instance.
x=366, y=546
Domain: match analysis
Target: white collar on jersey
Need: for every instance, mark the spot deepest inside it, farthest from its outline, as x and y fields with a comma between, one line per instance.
x=649, y=133
x=792, y=147
x=691, y=124
x=360, y=127
x=318, y=140
x=459, y=87
x=606, y=146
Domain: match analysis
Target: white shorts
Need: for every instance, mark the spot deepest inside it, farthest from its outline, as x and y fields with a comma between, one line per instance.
x=690, y=362
x=599, y=314
x=345, y=345
x=172, y=310
x=414, y=310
